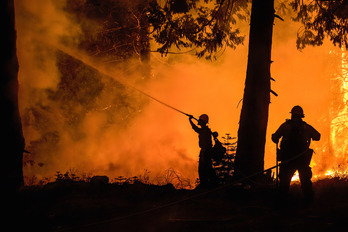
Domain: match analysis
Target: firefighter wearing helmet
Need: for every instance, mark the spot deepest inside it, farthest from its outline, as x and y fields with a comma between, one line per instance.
x=297, y=111
x=206, y=173
x=294, y=153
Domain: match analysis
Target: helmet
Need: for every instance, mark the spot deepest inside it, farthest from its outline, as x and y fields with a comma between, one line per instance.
x=297, y=110
x=204, y=118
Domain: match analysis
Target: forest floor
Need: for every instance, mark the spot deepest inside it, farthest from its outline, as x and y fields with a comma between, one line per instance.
x=83, y=206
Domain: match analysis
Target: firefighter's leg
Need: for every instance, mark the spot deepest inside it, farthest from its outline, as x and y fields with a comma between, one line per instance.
x=286, y=172
x=213, y=180
x=201, y=173
x=305, y=173
x=203, y=170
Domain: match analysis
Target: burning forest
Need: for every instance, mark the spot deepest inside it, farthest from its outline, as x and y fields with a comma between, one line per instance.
x=169, y=112
x=82, y=64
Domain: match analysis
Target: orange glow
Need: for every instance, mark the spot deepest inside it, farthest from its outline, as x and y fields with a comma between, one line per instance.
x=157, y=138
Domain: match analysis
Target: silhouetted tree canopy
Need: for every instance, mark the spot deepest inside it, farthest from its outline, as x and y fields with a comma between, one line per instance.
x=209, y=25
x=206, y=25
x=321, y=18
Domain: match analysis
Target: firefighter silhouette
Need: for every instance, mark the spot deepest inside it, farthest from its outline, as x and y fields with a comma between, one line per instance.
x=206, y=173
x=294, y=152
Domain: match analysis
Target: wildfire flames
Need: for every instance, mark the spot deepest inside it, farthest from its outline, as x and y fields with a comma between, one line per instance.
x=76, y=117
x=339, y=118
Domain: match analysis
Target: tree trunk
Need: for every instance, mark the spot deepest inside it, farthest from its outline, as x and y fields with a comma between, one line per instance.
x=12, y=141
x=254, y=114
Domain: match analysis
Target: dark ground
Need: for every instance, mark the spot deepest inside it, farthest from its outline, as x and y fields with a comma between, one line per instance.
x=81, y=206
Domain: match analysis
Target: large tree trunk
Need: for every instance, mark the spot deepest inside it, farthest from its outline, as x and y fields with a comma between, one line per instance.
x=254, y=114
x=12, y=141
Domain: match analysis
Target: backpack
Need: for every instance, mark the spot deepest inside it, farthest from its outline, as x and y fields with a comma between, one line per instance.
x=218, y=151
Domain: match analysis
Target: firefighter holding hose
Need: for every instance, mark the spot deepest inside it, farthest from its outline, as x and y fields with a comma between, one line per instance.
x=206, y=173
x=294, y=152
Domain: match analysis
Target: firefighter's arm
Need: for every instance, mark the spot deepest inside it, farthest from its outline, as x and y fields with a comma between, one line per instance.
x=315, y=135
x=276, y=136
x=194, y=126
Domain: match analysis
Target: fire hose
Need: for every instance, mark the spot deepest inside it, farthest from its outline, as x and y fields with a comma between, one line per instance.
x=163, y=103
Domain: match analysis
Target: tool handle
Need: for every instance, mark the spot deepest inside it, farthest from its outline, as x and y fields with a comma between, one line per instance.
x=191, y=116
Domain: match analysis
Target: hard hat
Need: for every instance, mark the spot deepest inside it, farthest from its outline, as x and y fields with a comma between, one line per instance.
x=204, y=118
x=297, y=110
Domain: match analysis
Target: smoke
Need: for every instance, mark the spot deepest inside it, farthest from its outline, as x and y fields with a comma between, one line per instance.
x=75, y=117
